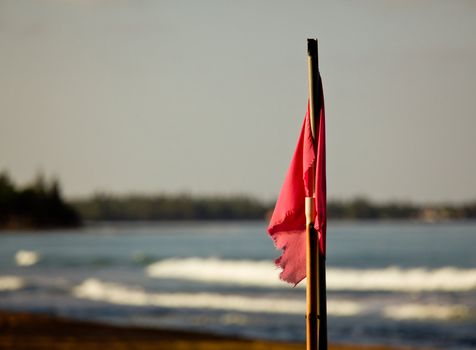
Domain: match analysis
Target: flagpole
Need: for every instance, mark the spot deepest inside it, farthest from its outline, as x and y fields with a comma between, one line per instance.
x=316, y=310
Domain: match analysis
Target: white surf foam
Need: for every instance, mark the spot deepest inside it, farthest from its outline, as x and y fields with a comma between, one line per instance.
x=212, y=270
x=264, y=274
x=426, y=312
x=11, y=283
x=26, y=257
x=114, y=293
x=403, y=280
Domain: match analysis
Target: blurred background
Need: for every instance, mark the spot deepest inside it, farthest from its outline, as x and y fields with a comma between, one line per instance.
x=143, y=144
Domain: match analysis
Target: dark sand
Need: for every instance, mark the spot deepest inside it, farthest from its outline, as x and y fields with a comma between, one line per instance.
x=33, y=331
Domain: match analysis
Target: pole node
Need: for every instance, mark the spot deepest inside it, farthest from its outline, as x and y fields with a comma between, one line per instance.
x=318, y=317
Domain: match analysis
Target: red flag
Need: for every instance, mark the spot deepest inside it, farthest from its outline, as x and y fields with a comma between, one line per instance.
x=288, y=222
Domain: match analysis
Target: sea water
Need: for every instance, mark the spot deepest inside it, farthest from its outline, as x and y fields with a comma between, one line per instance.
x=402, y=283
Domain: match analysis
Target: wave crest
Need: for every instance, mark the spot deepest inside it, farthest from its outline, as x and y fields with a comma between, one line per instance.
x=264, y=274
x=26, y=258
x=426, y=312
x=11, y=283
x=115, y=293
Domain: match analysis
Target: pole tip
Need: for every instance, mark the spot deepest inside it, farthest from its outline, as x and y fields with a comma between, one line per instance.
x=312, y=47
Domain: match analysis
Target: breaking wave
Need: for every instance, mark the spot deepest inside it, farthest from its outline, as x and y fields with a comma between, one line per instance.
x=403, y=280
x=212, y=270
x=11, y=283
x=26, y=258
x=264, y=274
x=426, y=312
x=114, y=293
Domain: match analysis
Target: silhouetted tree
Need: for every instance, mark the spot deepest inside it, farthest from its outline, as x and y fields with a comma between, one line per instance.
x=38, y=205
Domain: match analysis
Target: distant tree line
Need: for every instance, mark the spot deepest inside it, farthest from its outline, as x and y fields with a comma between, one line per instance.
x=38, y=205
x=170, y=207
x=187, y=207
x=362, y=208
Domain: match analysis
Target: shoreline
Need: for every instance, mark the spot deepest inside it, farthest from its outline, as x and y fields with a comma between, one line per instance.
x=86, y=226
x=22, y=330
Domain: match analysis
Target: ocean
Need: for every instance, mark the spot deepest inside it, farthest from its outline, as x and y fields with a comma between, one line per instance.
x=392, y=283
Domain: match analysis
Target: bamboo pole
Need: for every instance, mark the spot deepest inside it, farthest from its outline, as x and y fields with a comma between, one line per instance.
x=312, y=288
x=316, y=310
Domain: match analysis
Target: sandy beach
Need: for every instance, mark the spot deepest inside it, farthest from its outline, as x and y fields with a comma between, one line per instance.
x=33, y=331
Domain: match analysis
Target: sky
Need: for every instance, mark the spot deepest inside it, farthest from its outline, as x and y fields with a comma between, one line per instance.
x=208, y=97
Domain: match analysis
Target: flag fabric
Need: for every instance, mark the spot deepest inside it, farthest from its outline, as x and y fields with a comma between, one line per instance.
x=287, y=226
